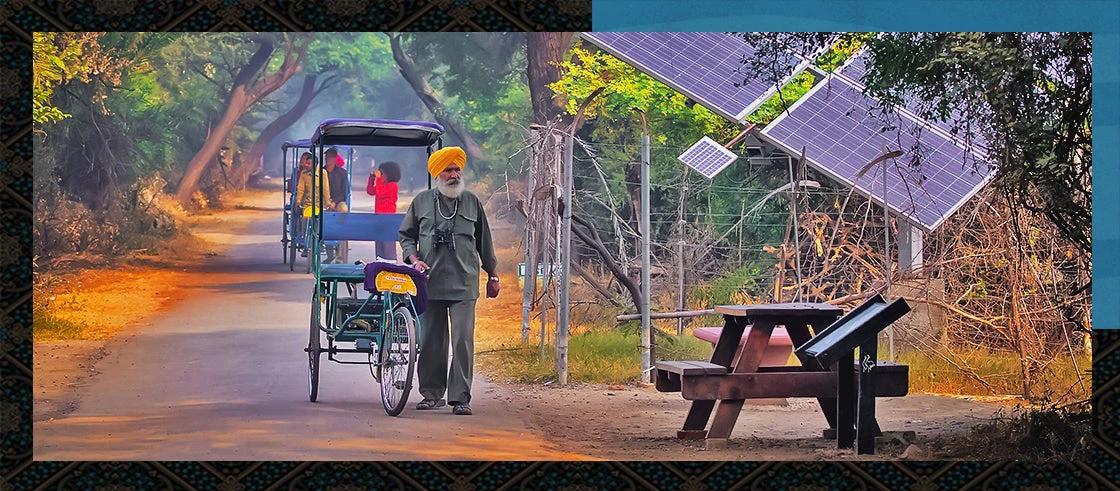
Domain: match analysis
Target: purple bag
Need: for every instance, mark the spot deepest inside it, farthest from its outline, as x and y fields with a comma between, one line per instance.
x=419, y=301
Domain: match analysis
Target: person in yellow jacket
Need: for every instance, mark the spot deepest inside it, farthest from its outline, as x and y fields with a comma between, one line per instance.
x=303, y=190
x=445, y=233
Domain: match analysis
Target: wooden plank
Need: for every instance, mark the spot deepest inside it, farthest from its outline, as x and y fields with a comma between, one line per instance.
x=845, y=412
x=790, y=310
x=690, y=367
x=758, y=385
x=866, y=429
x=748, y=361
x=698, y=415
x=794, y=383
x=750, y=356
x=666, y=381
x=728, y=343
x=851, y=331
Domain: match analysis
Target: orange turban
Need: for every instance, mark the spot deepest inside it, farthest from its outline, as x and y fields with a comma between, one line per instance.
x=445, y=157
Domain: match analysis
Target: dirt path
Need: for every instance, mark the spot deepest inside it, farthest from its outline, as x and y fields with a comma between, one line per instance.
x=528, y=421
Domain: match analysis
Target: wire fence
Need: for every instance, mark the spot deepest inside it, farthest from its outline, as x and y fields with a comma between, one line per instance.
x=737, y=239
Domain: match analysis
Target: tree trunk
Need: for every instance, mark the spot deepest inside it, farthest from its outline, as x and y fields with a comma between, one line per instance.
x=253, y=159
x=591, y=238
x=241, y=99
x=545, y=52
x=418, y=79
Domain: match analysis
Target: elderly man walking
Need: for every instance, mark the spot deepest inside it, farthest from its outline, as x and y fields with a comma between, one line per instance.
x=445, y=233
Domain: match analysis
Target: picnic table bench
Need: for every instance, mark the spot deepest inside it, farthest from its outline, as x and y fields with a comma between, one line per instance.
x=735, y=372
x=776, y=353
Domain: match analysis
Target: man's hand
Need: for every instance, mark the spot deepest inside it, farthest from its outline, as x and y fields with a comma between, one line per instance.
x=492, y=287
x=420, y=266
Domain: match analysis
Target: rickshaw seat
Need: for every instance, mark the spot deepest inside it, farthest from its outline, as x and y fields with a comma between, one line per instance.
x=346, y=273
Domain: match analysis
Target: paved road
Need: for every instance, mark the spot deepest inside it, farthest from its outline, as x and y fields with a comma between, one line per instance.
x=223, y=377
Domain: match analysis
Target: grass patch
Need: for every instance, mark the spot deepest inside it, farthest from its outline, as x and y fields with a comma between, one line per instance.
x=46, y=326
x=600, y=356
x=989, y=372
x=613, y=356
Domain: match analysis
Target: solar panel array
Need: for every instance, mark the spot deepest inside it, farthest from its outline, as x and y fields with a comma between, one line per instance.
x=835, y=123
x=707, y=157
x=841, y=129
x=701, y=65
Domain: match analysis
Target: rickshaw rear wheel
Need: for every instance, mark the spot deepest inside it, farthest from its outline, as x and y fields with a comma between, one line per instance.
x=397, y=360
x=313, y=350
x=292, y=255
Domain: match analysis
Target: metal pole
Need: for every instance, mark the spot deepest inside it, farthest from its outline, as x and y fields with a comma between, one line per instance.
x=887, y=254
x=793, y=212
x=647, y=331
x=530, y=276
x=680, y=250
x=565, y=262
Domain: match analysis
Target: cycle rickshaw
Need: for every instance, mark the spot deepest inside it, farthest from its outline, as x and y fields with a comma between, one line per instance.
x=291, y=164
x=296, y=229
x=383, y=322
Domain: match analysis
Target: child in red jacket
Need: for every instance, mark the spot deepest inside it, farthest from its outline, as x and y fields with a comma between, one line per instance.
x=382, y=185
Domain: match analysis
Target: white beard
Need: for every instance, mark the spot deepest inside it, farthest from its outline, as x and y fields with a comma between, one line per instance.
x=451, y=191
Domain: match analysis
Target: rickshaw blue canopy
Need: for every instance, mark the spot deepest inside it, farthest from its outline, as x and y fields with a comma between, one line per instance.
x=376, y=132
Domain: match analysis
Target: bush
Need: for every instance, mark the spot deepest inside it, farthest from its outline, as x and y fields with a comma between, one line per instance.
x=1047, y=434
x=63, y=226
x=143, y=219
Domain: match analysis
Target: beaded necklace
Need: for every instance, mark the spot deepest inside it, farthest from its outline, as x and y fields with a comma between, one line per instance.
x=439, y=208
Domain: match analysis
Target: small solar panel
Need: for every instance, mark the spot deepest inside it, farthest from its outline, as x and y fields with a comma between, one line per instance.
x=833, y=122
x=705, y=66
x=707, y=157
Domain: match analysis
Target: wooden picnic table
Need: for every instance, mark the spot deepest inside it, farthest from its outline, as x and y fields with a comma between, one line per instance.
x=735, y=374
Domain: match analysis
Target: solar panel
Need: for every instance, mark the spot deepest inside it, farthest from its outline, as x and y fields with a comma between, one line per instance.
x=856, y=68
x=835, y=125
x=707, y=157
x=701, y=65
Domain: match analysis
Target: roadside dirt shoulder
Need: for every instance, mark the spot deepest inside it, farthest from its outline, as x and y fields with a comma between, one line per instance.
x=111, y=297
x=636, y=422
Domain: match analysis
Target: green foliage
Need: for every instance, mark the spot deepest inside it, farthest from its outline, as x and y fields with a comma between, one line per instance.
x=1030, y=97
x=674, y=123
x=672, y=118
x=745, y=280
x=53, y=63
x=777, y=103
x=481, y=79
x=844, y=48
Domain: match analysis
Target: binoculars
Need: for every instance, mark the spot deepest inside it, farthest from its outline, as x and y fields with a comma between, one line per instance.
x=444, y=237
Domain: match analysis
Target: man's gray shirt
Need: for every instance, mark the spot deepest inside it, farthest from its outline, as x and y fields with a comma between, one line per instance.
x=454, y=274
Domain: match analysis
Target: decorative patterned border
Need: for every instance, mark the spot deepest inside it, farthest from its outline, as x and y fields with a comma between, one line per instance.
x=18, y=18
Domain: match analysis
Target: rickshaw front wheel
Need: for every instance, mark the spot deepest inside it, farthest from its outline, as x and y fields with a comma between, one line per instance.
x=397, y=360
